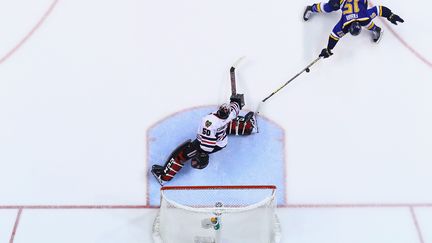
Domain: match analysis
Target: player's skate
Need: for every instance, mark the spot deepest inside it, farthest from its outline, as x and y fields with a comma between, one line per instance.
x=250, y=117
x=377, y=34
x=243, y=125
x=307, y=13
x=157, y=172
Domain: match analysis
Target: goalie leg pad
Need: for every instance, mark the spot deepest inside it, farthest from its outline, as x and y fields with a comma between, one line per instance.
x=242, y=125
x=176, y=160
x=171, y=168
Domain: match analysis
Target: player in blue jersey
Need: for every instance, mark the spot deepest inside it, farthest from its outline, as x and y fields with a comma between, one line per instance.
x=355, y=16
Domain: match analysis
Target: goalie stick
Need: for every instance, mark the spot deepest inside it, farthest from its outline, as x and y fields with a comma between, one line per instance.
x=232, y=75
x=233, y=81
x=249, y=115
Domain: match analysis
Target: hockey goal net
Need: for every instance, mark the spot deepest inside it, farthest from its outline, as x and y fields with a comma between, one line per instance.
x=217, y=214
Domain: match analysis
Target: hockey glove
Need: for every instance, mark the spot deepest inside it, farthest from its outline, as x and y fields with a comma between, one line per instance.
x=239, y=99
x=394, y=18
x=200, y=161
x=335, y=4
x=325, y=53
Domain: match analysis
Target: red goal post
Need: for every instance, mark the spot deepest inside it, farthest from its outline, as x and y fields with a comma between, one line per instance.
x=244, y=187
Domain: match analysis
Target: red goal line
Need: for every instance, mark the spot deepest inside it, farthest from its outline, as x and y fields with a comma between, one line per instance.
x=331, y=205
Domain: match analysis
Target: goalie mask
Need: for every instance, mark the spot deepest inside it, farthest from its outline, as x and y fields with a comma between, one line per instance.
x=223, y=111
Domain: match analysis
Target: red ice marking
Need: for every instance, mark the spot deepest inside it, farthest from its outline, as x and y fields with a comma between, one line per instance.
x=408, y=46
x=75, y=207
x=419, y=233
x=359, y=205
x=32, y=31
x=165, y=188
x=305, y=206
x=18, y=217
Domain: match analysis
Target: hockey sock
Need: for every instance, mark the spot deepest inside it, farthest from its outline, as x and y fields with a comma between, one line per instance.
x=372, y=26
x=323, y=8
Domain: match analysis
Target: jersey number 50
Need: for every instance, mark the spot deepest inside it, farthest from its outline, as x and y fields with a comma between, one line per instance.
x=206, y=132
x=351, y=5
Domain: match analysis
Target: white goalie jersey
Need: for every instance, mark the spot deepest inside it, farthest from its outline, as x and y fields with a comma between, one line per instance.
x=212, y=130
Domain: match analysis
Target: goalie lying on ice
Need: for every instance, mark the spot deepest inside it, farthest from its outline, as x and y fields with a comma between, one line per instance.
x=211, y=137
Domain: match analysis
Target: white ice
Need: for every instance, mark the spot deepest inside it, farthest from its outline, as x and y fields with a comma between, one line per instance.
x=82, y=81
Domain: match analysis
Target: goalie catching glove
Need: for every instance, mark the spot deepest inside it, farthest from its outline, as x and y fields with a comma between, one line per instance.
x=239, y=99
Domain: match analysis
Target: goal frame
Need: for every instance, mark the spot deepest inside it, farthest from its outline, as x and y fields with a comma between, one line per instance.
x=222, y=210
x=214, y=187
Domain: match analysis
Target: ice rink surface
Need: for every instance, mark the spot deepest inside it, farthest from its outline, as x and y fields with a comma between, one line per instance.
x=82, y=84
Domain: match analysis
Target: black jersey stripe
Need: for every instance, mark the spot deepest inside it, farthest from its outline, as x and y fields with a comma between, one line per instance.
x=207, y=138
x=220, y=133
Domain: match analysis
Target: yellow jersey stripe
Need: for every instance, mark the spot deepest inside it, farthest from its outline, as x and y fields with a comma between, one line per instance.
x=319, y=8
x=363, y=19
x=334, y=37
x=349, y=22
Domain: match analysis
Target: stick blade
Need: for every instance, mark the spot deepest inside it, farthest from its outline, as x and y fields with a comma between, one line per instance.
x=232, y=75
x=235, y=65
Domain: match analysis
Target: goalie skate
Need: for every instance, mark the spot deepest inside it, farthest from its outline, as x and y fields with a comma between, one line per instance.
x=243, y=125
x=156, y=171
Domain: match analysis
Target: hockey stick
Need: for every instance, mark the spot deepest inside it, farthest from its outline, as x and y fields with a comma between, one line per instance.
x=233, y=82
x=232, y=75
x=239, y=96
x=306, y=69
x=298, y=74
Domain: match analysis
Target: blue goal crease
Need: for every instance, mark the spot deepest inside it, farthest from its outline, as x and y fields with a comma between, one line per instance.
x=257, y=159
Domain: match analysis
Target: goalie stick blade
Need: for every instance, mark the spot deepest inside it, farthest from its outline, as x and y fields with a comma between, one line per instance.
x=161, y=182
x=233, y=77
x=237, y=63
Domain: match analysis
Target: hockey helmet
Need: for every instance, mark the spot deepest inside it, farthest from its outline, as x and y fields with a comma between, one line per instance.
x=223, y=111
x=335, y=4
x=355, y=28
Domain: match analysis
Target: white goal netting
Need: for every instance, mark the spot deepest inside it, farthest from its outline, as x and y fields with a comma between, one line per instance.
x=217, y=214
